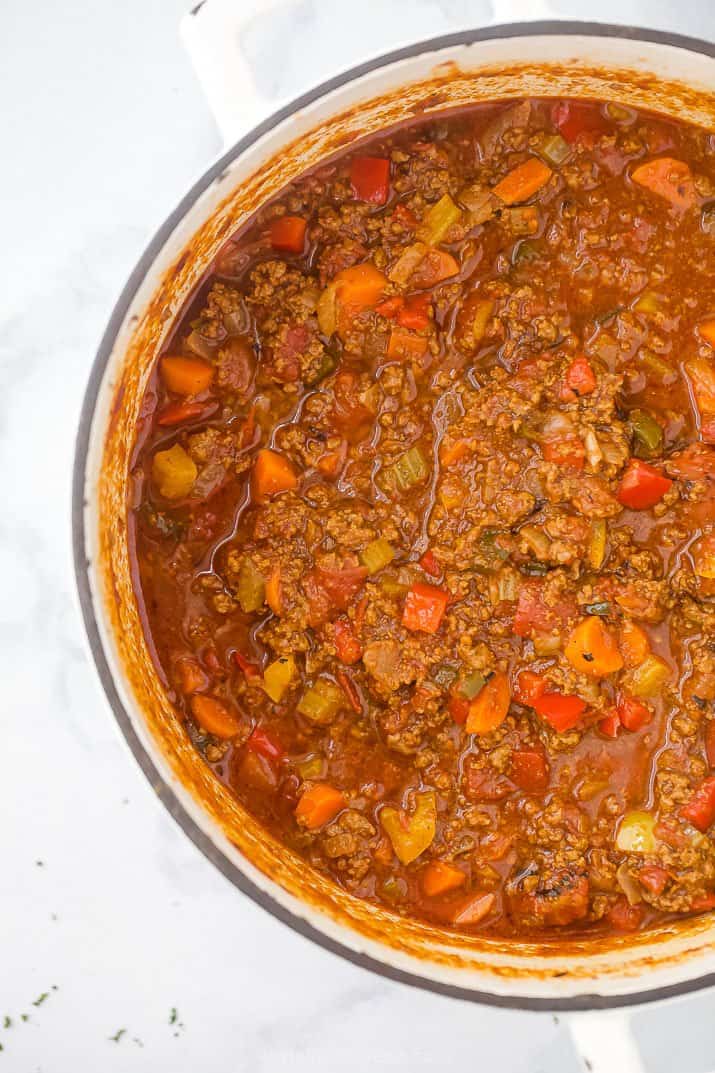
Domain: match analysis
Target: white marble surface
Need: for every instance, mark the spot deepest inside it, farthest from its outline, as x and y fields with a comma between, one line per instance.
x=101, y=896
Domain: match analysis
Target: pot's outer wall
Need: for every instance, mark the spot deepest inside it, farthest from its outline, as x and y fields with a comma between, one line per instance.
x=649, y=72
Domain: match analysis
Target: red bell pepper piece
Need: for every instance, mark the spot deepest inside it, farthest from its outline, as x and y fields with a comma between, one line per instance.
x=700, y=809
x=529, y=770
x=249, y=669
x=580, y=380
x=261, y=742
x=288, y=233
x=348, y=647
x=424, y=608
x=430, y=564
x=653, y=878
x=390, y=307
x=562, y=711
x=177, y=412
x=414, y=313
x=632, y=713
x=458, y=709
x=642, y=485
x=370, y=178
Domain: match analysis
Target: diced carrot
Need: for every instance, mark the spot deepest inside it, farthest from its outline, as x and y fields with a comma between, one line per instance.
x=562, y=711
x=260, y=741
x=668, y=178
x=192, y=676
x=186, y=376
x=642, y=485
x=319, y=805
x=580, y=380
x=450, y=451
x=272, y=473
x=633, y=643
x=521, y=183
x=288, y=233
x=424, y=608
x=529, y=686
x=700, y=809
x=592, y=649
x=274, y=591
x=347, y=645
x=359, y=287
x=439, y=877
x=331, y=463
x=370, y=178
x=404, y=345
x=490, y=707
x=215, y=716
x=178, y=412
x=706, y=330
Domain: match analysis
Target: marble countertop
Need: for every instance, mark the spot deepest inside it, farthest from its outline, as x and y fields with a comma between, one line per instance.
x=122, y=948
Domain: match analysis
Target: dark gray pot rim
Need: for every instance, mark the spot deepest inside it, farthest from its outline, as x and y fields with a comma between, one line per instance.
x=82, y=565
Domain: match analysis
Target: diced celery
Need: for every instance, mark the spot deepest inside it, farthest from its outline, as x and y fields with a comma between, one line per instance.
x=657, y=367
x=602, y=607
x=535, y=540
x=490, y=553
x=251, y=589
x=554, y=149
x=471, y=685
x=406, y=263
x=278, y=676
x=174, y=472
x=311, y=767
x=438, y=220
x=327, y=309
x=649, y=677
x=392, y=586
x=321, y=702
x=326, y=365
x=647, y=434
x=411, y=835
x=410, y=468
x=597, y=544
x=378, y=554
x=636, y=833
x=444, y=675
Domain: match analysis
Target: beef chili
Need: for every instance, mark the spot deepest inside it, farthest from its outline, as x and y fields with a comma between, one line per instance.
x=425, y=518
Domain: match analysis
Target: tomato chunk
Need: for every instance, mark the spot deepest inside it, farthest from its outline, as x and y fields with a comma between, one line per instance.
x=529, y=770
x=264, y=743
x=700, y=809
x=580, y=380
x=632, y=713
x=642, y=485
x=424, y=608
x=370, y=178
x=347, y=645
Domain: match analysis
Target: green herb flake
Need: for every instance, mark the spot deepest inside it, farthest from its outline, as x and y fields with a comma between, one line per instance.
x=7, y=1022
x=173, y=1016
x=41, y=998
x=118, y=1035
x=24, y=1017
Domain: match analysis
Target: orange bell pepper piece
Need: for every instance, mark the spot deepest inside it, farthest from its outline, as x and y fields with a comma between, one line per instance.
x=592, y=649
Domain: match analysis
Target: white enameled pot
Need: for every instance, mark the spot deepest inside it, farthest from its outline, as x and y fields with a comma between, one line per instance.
x=653, y=70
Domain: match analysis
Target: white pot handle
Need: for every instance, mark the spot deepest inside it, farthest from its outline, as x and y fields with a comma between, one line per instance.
x=604, y=1042
x=213, y=33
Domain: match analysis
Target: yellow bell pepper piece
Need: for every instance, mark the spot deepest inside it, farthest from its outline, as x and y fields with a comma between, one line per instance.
x=174, y=472
x=411, y=835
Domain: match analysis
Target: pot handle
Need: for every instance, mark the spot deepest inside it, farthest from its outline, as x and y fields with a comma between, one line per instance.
x=213, y=33
x=604, y=1042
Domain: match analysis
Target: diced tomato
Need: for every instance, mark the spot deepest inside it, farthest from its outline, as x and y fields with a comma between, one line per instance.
x=625, y=917
x=576, y=120
x=484, y=783
x=178, y=412
x=390, y=307
x=529, y=686
x=404, y=216
x=458, y=709
x=580, y=380
x=709, y=735
x=430, y=564
x=642, y=485
x=249, y=669
x=192, y=677
x=529, y=770
x=653, y=878
x=533, y=613
x=569, y=451
x=348, y=647
x=700, y=905
x=262, y=742
x=632, y=713
x=370, y=178
x=414, y=313
x=424, y=608
x=562, y=711
x=610, y=724
x=440, y=877
x=288, y=233
x=350, y=690
x=700, y=809
x=404, y=345
x=436, y=266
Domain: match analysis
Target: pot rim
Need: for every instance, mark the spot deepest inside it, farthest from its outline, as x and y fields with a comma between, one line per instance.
x=83, y=566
